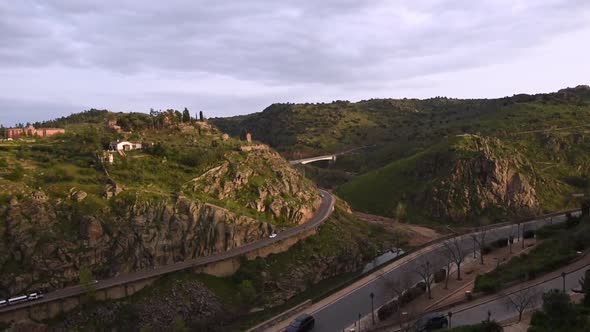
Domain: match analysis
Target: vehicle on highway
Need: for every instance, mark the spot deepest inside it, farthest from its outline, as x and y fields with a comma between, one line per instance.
x=322, y=195
x=17, y=299
x=302, y=323
x=35, y=296
x=432, y=322
x=273, y=235
x=3, y=303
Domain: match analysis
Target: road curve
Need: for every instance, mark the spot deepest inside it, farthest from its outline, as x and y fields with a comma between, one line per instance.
x=320, y=216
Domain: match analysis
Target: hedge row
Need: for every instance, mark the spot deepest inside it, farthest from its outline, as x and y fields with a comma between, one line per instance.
x=553, y=253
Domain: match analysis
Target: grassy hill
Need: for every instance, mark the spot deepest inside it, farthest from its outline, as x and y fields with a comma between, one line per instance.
x=174, y=155
x=191, y=191
x=547, y=134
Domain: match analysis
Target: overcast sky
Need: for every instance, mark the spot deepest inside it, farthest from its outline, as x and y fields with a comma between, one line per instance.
x=237, y=57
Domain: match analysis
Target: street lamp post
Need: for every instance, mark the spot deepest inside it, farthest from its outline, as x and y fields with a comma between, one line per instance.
x=563, y=274
x=359, y=322
x=372, y=295
x=450, y=316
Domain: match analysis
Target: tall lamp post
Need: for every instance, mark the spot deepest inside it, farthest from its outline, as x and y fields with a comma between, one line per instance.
x=450, y=316
x=359, y=322
x=372, y=295
x=563, y=274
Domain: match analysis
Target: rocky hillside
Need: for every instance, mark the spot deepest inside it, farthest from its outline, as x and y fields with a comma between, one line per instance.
x=415, y=152
x=206, y=303
x=458, y=179
x=190, y=191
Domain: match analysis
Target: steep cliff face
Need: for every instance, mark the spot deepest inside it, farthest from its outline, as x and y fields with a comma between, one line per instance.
x=460, y=179
x=260, y=180
x=46, y=242
x=483, y=184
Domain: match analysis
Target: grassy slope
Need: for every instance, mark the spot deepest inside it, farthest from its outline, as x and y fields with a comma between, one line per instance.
x=402, y=132
x=57, y=164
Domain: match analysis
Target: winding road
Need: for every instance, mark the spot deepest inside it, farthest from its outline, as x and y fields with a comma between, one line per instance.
x=320, y=216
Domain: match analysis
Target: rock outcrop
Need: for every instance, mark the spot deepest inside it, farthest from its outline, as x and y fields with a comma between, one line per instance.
x=243, y=177
x=48, y=242
x=484, y=181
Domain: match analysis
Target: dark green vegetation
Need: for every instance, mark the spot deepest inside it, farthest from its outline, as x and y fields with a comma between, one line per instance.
x=559, y=247
x=559, y=314
x=414, y=151
x=484, y=326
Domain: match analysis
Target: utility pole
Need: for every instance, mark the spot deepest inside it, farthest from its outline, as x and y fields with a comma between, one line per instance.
x=563, y=274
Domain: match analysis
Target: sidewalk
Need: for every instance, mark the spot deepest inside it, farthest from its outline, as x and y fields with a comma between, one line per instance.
x=455, y=292
x=279, y=327
x=583, y=262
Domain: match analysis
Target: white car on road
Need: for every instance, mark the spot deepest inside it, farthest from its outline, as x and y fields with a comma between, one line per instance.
x=273, y=235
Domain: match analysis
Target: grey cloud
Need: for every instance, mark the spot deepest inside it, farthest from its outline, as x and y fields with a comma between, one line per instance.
x=331, y=42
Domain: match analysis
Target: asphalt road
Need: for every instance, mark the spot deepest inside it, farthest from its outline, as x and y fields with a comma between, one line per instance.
x=501, y=309
x=344, y=311
x=321, y=215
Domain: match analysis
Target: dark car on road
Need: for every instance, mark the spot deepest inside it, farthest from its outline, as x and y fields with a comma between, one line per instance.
x=432, y=322
x=302, y=323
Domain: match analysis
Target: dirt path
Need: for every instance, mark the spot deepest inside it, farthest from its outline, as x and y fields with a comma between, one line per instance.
x=416, y=235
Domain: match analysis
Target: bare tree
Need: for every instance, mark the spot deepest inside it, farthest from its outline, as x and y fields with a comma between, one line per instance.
x=522, y=237
x=425, y=271
x=395, y=289
x=448, y=258
x=454, y=249
x=522, y=300
x=479, y=240
x=511, y=238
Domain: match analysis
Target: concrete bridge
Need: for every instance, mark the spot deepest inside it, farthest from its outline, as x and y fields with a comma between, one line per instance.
x=331, y=157
x=221, y=264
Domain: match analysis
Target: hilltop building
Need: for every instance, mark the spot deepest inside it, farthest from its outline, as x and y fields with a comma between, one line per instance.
x=32, y=131
x=112, y=125
x=124, y=146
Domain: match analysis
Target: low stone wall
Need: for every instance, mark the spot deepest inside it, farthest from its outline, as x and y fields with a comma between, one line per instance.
x=268, y=323
x=224, y=268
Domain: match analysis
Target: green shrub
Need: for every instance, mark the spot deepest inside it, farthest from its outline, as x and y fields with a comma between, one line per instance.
x=17, y=174
x=487, y=283
x=387, y=310
x=500, y=243
x=553, y=253
x=486, y=250
x=549, y=230
x=528, y=234
x=57, y=175
x=484, y=326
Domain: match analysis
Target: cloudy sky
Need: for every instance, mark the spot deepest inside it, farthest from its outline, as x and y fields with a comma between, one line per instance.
x=237, y=57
